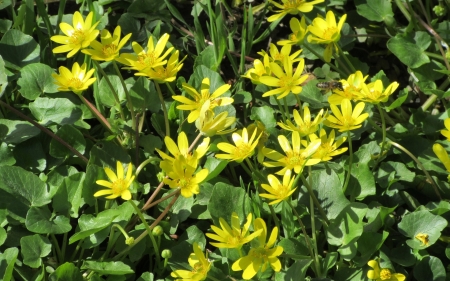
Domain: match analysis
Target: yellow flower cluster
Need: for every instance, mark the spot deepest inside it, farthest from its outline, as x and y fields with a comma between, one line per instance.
x=440, y=151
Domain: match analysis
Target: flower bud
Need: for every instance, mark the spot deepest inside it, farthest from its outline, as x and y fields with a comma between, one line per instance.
x=166, y=254
x=157, y=231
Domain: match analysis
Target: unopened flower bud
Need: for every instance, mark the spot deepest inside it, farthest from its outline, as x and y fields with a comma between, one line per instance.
x=157, y=231
x=166, y=254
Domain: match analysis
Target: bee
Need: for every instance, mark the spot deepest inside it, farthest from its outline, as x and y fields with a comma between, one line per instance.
x=330, y=86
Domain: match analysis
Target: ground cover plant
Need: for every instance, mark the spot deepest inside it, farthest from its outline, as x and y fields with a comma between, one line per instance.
x=224, y=140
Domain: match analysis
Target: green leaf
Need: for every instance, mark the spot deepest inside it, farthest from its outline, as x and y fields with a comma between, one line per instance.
x=130, y=24
x=90, y=224
x=362, y=183
x=200, y=72
x=2, y=235
x=401, y=98
x=375, y=10
x=328, y=190
x=407, y=51
x=66, y=271
x=18, y=49
x=67, y=199
x=40, y=220
x=3, y=76
x=12, y=131
x=144, y=95
x=59, y=110
x=107, y=96
x=227, y=199
x=295, y=246
x=146, y=276
x=71, y=136
x=184, y=247
x=33, y=248
x=368, y=244
x=214, y=166
x=430, y=268
x=422, y=222
x=346, y=229
x=399, y=171
x=242, y=97
x=150, y=142
x=105, y=268
x=7, y=262
x=30, y=155
x=36, y=79
x=298, y=270
x=24, y=185
x=106, y=154
x=329, y=261
x=265, y=114
x=6, y=155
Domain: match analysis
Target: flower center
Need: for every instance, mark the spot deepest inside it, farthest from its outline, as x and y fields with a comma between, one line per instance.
x=282, y=191
x=184, y=182
x=109, y=50
x=75, y=83
x=385, y=274
x=259, y=253
x=119, y=186
x=294, y=159
x=146, y=59
x=329, y=32
x=77, y=37
x=293, y=4
x=286, y=82
x=242, y=150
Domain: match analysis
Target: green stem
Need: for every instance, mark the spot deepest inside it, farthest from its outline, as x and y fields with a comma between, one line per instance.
x=281, y=110
x=314, y=198
x=350, y=162
x=127, y=94
x=56, y=248
x=349, y=63
x=149, y=231
x=61, y=7
x=64, y=246
x=143, y=164
x=97, y=114
x=430, y=179
x=313, y=227
x=383, y=131
x=170, y=89
x=163, y=105
x=116, y=96
x=297, y=97
x=321, y=58
x=246, y=169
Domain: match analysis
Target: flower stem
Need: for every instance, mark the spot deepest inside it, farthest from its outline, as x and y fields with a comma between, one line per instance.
x=349, y=63
x=281, y=110
x=143, y=164
x=130, y=103
x=430, y=179
x=320, y=57
x=350, y=162
x=163, y=105
x=314, y=198
x=383, y=132
x=116, y=97
x=313, y=226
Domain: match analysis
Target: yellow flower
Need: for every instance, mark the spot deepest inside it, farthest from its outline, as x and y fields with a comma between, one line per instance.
x=143, y=59
x=259, y=258
x=442, y=154
x=347, y=120
x=304, y=125
x=243, y=148
x=182, y=177
x=292, y=7
x=374, y=93
x=328, y=148
x=278, y=191
x=299, y=31
x=446, y=133
x=261, y=130
x=383, y=274
x=234, y=236
x=76, y=80
x=181, y=152
x=210, y=125
x=117, y=184
x=200, y=267
x=259, y=69
x=280, y=56
x=78, y=36
x=294, y=158
x=162, y=74
x=285, y=81
x=352, y=88
x=109, y=47
x=326, y=32
x=422, y=237
x=196, y=105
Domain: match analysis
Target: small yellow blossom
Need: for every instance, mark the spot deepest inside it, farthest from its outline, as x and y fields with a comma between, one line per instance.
x=117, y=184
x=299, y=31
x=374, y=93
x=78, y=36
x=163, y=74
x=383, y=274
x=295, y=158
x=260, y=257
x=232, y=236
x=278, y=191
x=351, y=88
x=76, y=80
x=200, y=267
x=200, y=99
x=261, y=130
x=283, y=54
x=181, y=152
x=446, y=133
x=243, y=148
x=326, y=31
x=260, y=68
x=182, y=177
x=328, y=147
x=210, y=125
x=304, y=125
x=442, y=154
x=422, y=237
x=143, y=59
x=109, y=47
x=286, y=81
x=292, y=7
x=346, y=119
